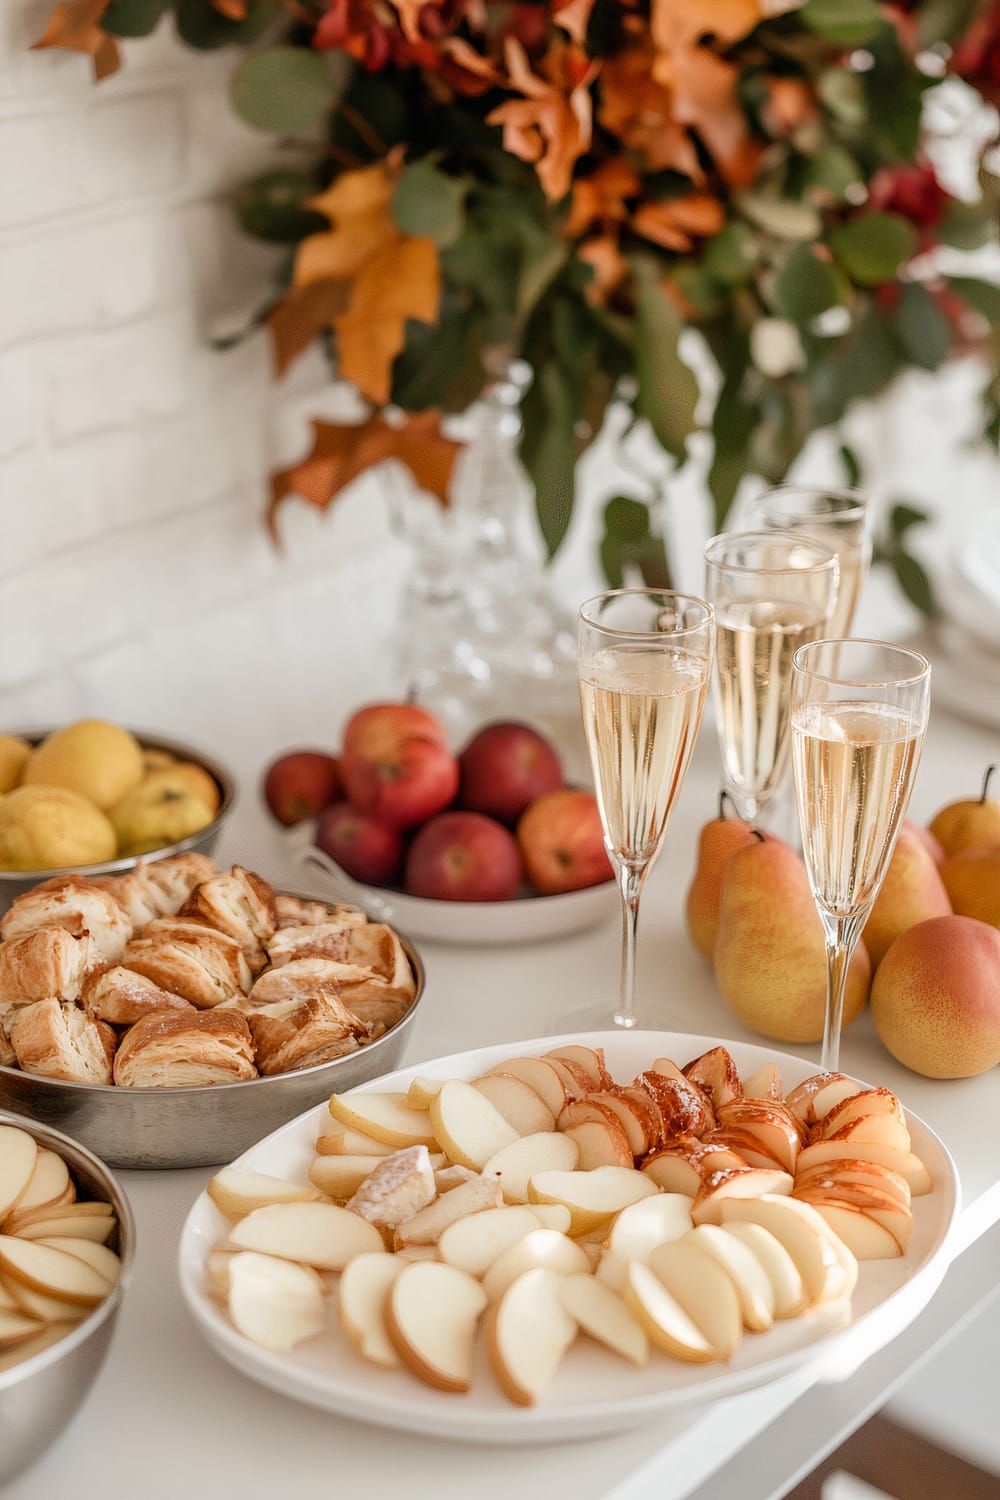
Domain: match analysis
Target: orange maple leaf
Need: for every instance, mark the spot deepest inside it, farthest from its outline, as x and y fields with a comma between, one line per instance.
x=408, y=12
x=675, y=26
x=549, y=126
x=609, y=266
x=573, y=17
x=706, y=98
x=341, y=452
x=75, y=25
x=601, y=196
x=640, y=112
x=675, y=223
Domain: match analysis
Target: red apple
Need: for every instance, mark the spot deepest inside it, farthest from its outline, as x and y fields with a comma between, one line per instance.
x=407, y=785
x=504, y=768
x=364, y=847
x=300, y=784
x=374, y=732
x=562, y=843
x=462, y=856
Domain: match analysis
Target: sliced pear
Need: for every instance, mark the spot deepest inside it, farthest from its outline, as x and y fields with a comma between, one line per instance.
x=829, y=1095
x=842, y=1278
x=863, y=1235
x=417, y=1252
x=25, y=1349
x=521, y=1106
x=540, y=1074
x=590, y=1059
x=103, y=1260
x=345, y=1142
x=384, y=1117
x=472, y=1244
x=96, y=1229
x=752, y=1283
x=8, y=1302
x=47, y=1309
x=552, y=1216
x=905, y=1163
x=790, y=1296
x=22, y=1218
x=362, y=1294
x=51, y=1272
x=719, y=1188
x=601, y=1143
x=810, y=1099
x=313, y=1234
x=795, y=1225
x=575, y=1080
x=49, y=1184
x=467, y=1125
x=516, y=1164
x=602, y=1314
x=880, y=1129
x=662, y=1317
x=431, y=1314
x=864, y=1102
x=633, y=1121
x=764, y=1084
x=427, y=1226
x=591, y=1197
x=18, y=1154
x=421, y=1092
x=541, y=1249
x=612, y=1269
x=446, y=1178
x=705, y=1291
x=236, y=1193
x=340, y=1177
x=640, y=1227
x=275, y=1303
x=217, y=1263
x=674, y=1171
x=860, y=1174
x=528, y=1335
x=16, y=1327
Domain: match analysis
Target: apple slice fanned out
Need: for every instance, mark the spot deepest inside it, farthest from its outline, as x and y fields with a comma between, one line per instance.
x=592, y=1197
x=705, y=1291
x=96, y=1227
x=274, y=1303
x=860, y=1232
x=662, y=1318
x=528, y=1336
x=908, y=1166
x=47, y=1309
x=516, y=1164
x=539, y=1074
x=361, y=1299
x=473, y=1243
x=640, y=1227
x=855, y=1107
x=552, y=1216
x=749, y=1147
x=236, y=1193
x=790, y=1296
x=421, y=1092
x=878, y=1205
x=683, y=1168
x=17, y=1327
x=517, y=1102
x=468, y=1126
x=575, y=1080
x=811, y=1099
x=384, y=1117
x=590, y=1059
x=720, y=1188
x=104, y=1261
x=716, y=1075
x=431, y=1314
x=600, y=1143
x=320, y=1235
x=799, y=1228
x=49, y=1185
x=684, y=1109
x=764, y=1084
x=542, y=1249
x=876, y=1130
x=26, y=1349
x=344, y=1142
x=18, y=1155
x=603, y=1316
x=51, y=1272
x=471, y=1197
x=863, y=1173
x=339, y=1177
x=750, y=1280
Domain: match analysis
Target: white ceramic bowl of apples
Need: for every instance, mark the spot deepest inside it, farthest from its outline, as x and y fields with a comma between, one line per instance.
x=487, y=846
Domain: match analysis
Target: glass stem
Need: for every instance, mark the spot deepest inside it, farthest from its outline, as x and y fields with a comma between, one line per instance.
x=630, y=883
x=842, y=935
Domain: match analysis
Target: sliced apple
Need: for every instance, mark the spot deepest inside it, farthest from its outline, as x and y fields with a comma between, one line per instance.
x=662, y=1318
x=340, y=1177
x=601, y=1143
x=16, y=1327
x=517, y=1102
x=872, y=1201
x=321, y=1235
x=827, y=1088
x=528, y=1335
x=640, y=1227
x=431, y=1314
x=446, y=1178
x=790, y=1296
x=361, y=1300
x=612, y=1269
x=25, y=1349
x=748, y=1147
x=22, y=1218
x=765, y=1083
x=49, y=1184
x=421, y=1092
x=468, y=1126
x=716, y=1075
x=96, y=1228
x=592, y=1197
x=51, y=1272
x=552, y=1216
x=631, y=1119
x=865, y=1102
x=427, y=1226
x=905, y=1163
x=863, y=1236
x=217, y=1263
x=103, y=1260
x=539, y=1074
x=46, y=1309
x=472, y=1244
x=877, y=1130
x=590, y=1059
x=516, y=1164
x=417, y=1252
x=18, y=1154
x=705, y=1291
x=720, y=1188
x=274, y=1303
x=345, y=1142
x=602, y=1314
x=541, y=1249
x=384, y=1117
x=862, y=1173
x=236, y=1193
x=575, y=1080
x=749, y=1278
x=795, y=1225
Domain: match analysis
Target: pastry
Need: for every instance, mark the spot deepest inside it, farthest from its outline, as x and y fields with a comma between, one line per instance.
x=173, y=1050
x=295, y=980
x=122, y=997
x=50, y=961
x=240, y=904
x=321, y=940
x=293, y=911
x=56, y=1039
x=158, y=889
x=301, y=1033
x=377, y=948
x=8, y=1057
x=76, y=905
x=189, y=960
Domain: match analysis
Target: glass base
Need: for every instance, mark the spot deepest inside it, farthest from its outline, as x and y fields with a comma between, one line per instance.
x=605, y=1018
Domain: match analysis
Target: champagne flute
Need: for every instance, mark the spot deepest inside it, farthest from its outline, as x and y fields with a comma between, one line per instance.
x=859, y=715
x=772, y=591
x=840, y=520
x=643, y=663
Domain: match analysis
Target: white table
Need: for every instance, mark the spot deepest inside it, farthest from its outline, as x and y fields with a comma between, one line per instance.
x=167, y=1417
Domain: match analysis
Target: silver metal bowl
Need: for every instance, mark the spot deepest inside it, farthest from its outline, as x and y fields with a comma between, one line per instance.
x=40, y=1395
x=14, y=883
x=198, y=1127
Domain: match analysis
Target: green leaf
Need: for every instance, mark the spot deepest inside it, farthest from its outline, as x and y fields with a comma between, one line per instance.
x=668, y=389
x=807, y=286
x=914, y=582
x=843, y=94
x=832, y=173
x=200, y=24
x=847, y=23
x=903, y=517
x=872, y=247
x=440, y=364
x=966, y=226
x=982, y=296
x=731, y=255
x=630, y=542
x=270, y=207
x=284, y=89
x=430, y=204
x=784, y=217
x=943, y=20
x=923, y=332
x=548, y=449
x=733, y=423
x=132, y=17
x=538, y=272
x=852, y=465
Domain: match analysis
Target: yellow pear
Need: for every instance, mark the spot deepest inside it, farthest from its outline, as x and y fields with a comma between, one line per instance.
x=14, y=754
x=972, y=880
x=96, y=759
x=156, y=760
x=163, y=809
x=719, y=839
x=199, y=781
x=972, y=824
x=912, y=892
x=936, y=998
x=770, y=954
x=50, y=828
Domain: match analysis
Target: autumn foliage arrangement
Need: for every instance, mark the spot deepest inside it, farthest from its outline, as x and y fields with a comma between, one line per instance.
x=578, y=181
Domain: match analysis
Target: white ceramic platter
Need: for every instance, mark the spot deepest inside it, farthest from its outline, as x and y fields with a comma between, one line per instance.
x=594, y=1392
x=529, y=919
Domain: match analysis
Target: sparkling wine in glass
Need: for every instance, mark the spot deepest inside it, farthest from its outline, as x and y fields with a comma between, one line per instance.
x=643, y=664
x=773, y=592
x=859, y=715
x=838, y=519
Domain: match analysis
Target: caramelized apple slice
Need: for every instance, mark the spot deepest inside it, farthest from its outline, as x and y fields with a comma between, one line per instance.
x=720, y=1188
x=908, y=1166
x=716, y=1075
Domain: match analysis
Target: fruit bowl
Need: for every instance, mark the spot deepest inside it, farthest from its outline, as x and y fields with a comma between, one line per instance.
x=526, y=919
x=14, y=883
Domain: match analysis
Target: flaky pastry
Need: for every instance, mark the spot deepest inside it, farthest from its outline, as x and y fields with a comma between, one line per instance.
x=173, y=1050
x=76, y=905
x=190, y=960
x=240, y=904
x=50, y=961
x=56, y=1039
x=321, y=940
x=293, y=911
x=158, y=889
x=301, y=1033
x=122, y=997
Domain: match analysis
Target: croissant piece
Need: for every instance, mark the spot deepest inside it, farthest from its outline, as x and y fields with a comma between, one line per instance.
x=170, y=1049
x=293, y=911
x=189, y=960
x=47, y=962
x=76, y=905
x=301, y=1033
x=122, y=997
x=56, y=1039
x=320, y=940
x=240, y=904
